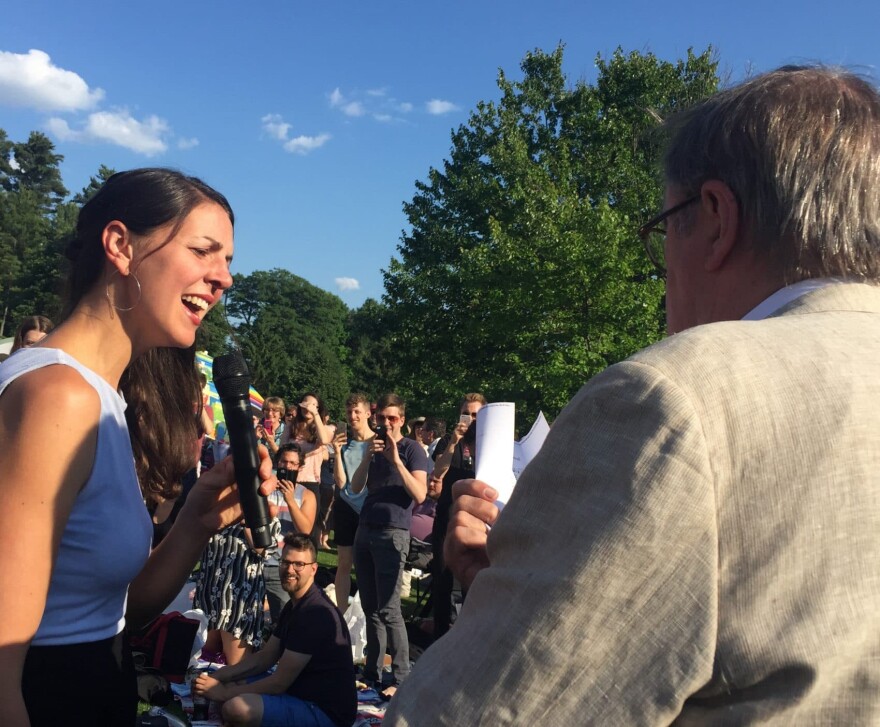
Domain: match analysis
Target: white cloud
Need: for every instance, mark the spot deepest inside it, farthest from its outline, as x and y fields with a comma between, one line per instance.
x=61, y=129
x=278, y=128
x=374, y=102
x=30, y=80
x=349, y=108
x=187, y=143
x=438, y=107
x=353, y=108
x=336, y=98
x=347, y=284
x=116, y=127
x=275, y=126
x=305, y=144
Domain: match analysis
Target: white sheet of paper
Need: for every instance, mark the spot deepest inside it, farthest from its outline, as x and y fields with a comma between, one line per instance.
x=526, y=448
x=494, y=460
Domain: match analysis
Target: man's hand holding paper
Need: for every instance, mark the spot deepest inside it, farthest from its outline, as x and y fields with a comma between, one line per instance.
x=473, y=512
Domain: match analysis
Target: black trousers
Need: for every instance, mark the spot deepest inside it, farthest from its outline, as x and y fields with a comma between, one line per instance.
x=81, y=684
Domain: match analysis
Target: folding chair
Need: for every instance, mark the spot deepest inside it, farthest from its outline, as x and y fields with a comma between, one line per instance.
x=420, y=556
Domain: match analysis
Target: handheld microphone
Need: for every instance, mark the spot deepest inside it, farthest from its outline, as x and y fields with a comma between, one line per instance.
x=233, y=381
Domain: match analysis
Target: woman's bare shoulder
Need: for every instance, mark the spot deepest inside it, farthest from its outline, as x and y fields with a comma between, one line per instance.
x=52, y=398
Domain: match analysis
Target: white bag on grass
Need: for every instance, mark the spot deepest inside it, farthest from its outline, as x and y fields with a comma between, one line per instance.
x=201, y=635
x=357, y=627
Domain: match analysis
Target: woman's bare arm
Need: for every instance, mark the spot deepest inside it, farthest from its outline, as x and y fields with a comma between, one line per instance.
x=36, y=499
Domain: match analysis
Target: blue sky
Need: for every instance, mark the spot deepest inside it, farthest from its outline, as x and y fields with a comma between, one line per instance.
x=316, y=118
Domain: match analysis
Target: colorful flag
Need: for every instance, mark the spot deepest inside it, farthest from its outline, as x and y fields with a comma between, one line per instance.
x=206, y=366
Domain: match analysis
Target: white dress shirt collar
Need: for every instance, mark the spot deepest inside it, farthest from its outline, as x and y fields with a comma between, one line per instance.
x=786, y=295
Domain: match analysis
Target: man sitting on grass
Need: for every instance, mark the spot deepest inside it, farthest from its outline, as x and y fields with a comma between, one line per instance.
x=314, y=682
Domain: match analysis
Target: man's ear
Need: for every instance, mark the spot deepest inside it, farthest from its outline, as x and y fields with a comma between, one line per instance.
x=116, y=240
x=720, y=203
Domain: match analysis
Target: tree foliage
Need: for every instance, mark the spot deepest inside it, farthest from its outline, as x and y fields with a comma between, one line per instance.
x=292, y=334
x=522, y=275
x=371, y=357
x=31, y=191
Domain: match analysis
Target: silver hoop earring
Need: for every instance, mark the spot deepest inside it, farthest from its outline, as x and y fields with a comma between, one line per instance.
x=110, y=299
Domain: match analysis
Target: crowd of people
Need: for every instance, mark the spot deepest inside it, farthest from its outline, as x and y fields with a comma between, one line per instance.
x=391, y=486
x=695, y=543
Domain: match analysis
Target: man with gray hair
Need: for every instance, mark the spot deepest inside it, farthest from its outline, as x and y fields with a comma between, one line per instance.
x=697, y=541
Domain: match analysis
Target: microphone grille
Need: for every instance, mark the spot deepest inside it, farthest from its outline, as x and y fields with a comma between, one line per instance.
x=231, y=375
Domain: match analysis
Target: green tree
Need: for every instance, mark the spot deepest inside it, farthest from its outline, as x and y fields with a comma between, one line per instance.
x=6, y=170
x=292, y=335
x=37, y=168
x=370, y=354
x=522, y=275
x=24, y=233
x=95, y=183
x=215, y=332
x=31, y=191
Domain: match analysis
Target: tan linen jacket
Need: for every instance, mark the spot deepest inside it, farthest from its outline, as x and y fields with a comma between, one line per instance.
x=697, y=543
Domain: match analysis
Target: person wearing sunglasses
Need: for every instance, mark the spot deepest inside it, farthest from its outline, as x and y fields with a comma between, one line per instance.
x=395, y=475
x=697, y=541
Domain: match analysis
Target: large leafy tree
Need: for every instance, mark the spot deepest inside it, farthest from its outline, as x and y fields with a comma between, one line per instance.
x=37, y=168
x=370, y=355
x=292, y=335
x=35, y=225
x=30, y=192
x=215, y=333
x=522, y=275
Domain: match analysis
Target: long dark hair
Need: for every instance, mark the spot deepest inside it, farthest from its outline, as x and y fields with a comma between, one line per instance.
x=31, y=323
x=161, y=387
x=142, y=199
x=302, y=428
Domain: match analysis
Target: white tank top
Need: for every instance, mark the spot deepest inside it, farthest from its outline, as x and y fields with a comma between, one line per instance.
x=107, y=539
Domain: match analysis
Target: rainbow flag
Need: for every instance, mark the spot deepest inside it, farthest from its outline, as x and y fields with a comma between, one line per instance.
x=206, y=366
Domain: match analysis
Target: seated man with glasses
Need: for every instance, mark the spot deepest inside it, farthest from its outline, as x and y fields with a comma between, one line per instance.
x=314, y=682
x=396, y=478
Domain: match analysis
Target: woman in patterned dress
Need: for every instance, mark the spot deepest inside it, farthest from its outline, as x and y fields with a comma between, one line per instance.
x=230, y=590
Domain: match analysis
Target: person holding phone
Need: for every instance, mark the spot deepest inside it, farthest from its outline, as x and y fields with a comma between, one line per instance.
x=327, y=485
x=352, y=446
x=270, y=431
x=309, y=431
x=395, y=477
x=297, y=513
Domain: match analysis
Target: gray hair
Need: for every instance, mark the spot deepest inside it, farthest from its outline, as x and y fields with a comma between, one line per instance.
x=800, y=149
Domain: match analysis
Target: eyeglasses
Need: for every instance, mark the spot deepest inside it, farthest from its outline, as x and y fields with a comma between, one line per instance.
x=297, y=565
x=391, y=419
x=653, y=234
